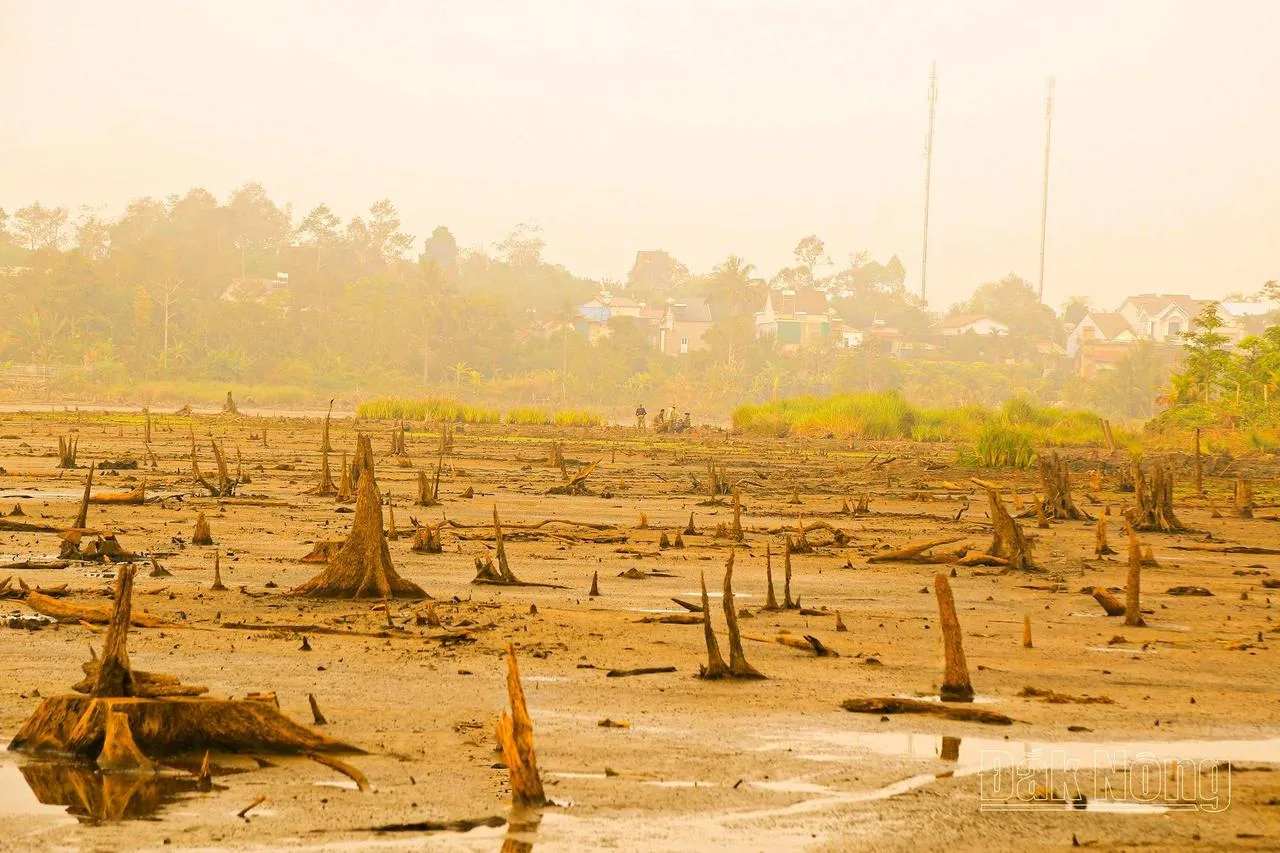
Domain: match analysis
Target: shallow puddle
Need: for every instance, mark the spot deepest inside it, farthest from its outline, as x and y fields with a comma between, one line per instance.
x=81, y=791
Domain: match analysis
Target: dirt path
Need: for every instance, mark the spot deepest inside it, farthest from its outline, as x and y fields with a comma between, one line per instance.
x=766, y=765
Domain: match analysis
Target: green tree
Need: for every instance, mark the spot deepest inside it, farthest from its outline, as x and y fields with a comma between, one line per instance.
x=1208, y=360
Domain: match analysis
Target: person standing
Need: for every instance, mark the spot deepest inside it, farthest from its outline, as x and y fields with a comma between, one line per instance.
x=641, y=414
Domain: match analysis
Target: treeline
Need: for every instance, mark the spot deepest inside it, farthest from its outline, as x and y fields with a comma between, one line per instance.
x=180, y=298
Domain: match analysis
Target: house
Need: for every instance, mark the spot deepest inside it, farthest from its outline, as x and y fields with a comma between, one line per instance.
x=255, y=289
x=851, y=338
x=684, y=324
x=1099, y=327
x=1161, y=317
x=623, y=306
x=795, y=318
x=885, y=339
x=978, y=324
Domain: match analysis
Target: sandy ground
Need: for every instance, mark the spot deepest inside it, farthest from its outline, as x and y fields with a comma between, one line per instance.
x=764, y=765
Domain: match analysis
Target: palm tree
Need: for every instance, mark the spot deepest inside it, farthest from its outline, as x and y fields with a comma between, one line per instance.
x=731, y=287
x=458, y=370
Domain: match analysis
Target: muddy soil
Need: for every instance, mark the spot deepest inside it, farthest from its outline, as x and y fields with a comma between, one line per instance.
x=734, y=765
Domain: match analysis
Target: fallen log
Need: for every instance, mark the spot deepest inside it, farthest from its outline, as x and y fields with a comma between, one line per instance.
x=912, y=550
x=94, y=614
x=644, y=670
x=895, y=705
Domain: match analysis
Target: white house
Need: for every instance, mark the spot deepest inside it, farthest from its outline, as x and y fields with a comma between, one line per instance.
x=978, y=324
x=1099, y=327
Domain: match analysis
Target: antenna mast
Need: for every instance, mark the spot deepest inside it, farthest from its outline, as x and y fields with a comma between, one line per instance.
x=928, y=175
x=1044, y=194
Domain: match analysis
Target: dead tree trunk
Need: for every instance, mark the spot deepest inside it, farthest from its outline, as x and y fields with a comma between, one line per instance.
x=1244, y=498
x=1155, y=500
x=771, y=601
x=737, y=516
x=362, y=461
x=1100, y=546
x=515, y=737
x=738, y=666
x=362, y=568
x=1133, y=585
x=203, y=535
x=229, y=406
x=346, y=493
x=1008, y=541
x=715, y=667
x=82, y=516
x=1055, y=476
x=67, y=451
x=426, y=538
x=325, y=487
x=955, y=681
x=787, y=603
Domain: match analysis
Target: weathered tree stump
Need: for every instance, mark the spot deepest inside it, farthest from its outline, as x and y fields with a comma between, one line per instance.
x=1155, y=500
x=362, y=568
x=515, y=738
x=1055, y=477
x=1008, y=541
x=202, y=535
x=955, y=681
x=1133, y=585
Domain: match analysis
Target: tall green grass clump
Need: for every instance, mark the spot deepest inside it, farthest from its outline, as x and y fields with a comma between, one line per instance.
x=876, y=416
x=576, y=418
x=1001, y=444
x=528, y=416
x=426, y=409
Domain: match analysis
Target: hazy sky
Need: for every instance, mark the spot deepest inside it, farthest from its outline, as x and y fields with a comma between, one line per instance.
x=704, y=128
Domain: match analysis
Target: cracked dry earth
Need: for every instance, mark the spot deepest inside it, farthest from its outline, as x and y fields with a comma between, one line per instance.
x=732, y=765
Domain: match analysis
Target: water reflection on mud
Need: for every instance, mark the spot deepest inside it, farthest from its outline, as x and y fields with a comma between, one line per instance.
x=87, y=793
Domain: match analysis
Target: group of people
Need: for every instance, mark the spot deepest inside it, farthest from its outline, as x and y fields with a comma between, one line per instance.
x=665, y=421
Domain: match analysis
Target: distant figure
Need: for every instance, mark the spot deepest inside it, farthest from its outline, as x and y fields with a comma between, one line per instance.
x=641, y=414
x=660, y=421
x=688, y=421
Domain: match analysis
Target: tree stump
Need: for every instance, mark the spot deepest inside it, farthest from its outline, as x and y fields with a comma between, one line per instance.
x=1055, y=477
x=203, y=535
x=955, y=681
x=362, y=568
x=515, y=738
x=1133, y=585
x=1008, y=541
x=1155, y=500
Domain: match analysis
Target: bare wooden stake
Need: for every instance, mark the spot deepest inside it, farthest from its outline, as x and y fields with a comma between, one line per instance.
x=738, y=666
x=595, y=585
x=1026, y=631
x=515, y=737
x=316, y=716
x=1244, y=498
x=1100, y=546
x=217, y=573
x=787, y=603
x=956, y=686
x=82, y=516
x=1133, y=586
x=771, y=601
x=715, y=667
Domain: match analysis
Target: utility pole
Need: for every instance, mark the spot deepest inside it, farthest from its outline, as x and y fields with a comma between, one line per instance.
x=1044, y=195
x=928, y=175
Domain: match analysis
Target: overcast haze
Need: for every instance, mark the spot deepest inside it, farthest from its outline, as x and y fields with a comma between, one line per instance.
x=704, y=128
